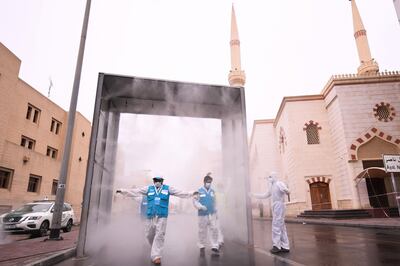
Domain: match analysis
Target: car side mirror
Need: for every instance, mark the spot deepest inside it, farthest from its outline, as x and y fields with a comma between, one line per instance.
x=52, y=210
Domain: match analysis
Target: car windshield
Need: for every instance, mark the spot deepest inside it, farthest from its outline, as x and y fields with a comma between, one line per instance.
x=43, y=207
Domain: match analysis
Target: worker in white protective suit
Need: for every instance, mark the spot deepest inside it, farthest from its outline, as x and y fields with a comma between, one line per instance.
x=204, y=202
x=157, y=196
x=278, y=191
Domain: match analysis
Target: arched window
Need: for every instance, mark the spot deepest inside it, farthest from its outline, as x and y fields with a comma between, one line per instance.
x=312, y=134
x=282, y=140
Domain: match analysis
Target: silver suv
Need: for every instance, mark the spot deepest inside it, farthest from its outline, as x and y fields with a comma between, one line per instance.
x=35, y=218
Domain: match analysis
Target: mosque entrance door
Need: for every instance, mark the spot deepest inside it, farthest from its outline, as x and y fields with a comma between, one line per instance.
x=320, y=196
x=377, y=192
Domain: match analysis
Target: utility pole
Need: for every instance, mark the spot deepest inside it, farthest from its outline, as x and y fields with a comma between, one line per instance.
x=50, y=86
x=397, y=7
x=58, y=207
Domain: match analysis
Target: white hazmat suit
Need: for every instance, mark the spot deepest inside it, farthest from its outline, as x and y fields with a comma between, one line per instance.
x=278, y=191
x=207, y=223
x=155, y=227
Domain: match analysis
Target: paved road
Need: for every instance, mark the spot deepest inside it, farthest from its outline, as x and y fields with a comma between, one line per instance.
x=310, y=245
x=335, y=245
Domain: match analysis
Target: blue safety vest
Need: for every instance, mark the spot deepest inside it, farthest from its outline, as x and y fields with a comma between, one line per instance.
x=157, y=202
x=143, y=207
x=207, y=198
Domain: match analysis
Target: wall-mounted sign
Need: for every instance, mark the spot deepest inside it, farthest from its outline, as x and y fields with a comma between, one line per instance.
x=392, y=163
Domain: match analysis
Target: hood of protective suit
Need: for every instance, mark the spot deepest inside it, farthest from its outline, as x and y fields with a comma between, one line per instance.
x=273, y=177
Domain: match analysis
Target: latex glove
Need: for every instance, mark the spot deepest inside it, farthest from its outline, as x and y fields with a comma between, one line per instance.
x=203, y=208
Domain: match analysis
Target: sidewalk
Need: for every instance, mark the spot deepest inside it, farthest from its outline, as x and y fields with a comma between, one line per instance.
x=376, y=223
x=35, y=249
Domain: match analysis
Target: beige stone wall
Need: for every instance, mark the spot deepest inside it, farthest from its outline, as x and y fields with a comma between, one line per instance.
x=78, y=163
x=300, y=159
x=15, y=95
x=9, y=69
x=264, y=158
x=350, y=110
x=357, y=103
x=295, y=208
x=339, y=148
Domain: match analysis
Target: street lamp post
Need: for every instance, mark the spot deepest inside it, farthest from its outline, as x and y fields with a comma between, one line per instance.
x=59, y=203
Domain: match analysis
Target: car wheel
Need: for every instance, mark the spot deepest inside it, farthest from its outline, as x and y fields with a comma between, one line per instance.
x=68, y=227
x=44, y=227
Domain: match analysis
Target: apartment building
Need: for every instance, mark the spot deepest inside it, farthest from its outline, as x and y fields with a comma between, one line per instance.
x=32, y=135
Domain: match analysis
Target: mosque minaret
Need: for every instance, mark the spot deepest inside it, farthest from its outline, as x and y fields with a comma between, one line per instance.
x=368, y=64
x=237, y=77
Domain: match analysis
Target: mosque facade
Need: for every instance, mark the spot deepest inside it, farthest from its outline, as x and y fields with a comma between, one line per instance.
x=328, y=147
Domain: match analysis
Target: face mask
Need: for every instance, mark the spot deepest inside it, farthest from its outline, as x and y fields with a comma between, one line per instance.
x=157, y=184
x=207, y=185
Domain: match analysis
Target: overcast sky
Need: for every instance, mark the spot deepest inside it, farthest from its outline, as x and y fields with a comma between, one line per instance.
x=289, y=47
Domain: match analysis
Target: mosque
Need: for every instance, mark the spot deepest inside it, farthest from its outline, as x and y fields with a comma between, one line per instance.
x=328, y=147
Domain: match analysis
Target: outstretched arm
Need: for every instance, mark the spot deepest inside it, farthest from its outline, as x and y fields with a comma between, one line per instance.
x=134, y=192
x=180, y=193
x=265, y=195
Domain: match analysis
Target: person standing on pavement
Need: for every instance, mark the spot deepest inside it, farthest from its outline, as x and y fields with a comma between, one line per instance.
x=204, y=202
x=277, y=192
x=157, y=198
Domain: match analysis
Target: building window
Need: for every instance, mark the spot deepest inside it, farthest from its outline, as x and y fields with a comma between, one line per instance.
x=51, y=152
x=28, y=142
x=54, y=187
x=282, y=140
x=34, y=183
x=5, y=177
x=384, y=112
x=29, y=112
x=311, y=128
x=55, y=126
x=33, y=113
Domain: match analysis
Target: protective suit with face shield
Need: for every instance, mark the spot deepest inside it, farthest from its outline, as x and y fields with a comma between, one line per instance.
x=278, y=190
x=204, y=202
x=157, y=198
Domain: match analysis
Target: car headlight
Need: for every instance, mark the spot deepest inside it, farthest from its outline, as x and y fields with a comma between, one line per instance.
x=23, y=219
x=35, y=217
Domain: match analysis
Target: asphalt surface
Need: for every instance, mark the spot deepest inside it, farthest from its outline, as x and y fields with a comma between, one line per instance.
x=310, y=245
x=335, y=245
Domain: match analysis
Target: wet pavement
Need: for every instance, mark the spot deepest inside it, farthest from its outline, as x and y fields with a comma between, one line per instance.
x=180, y=249
x=310, y=245
x=335, y=245
x=21, y=249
